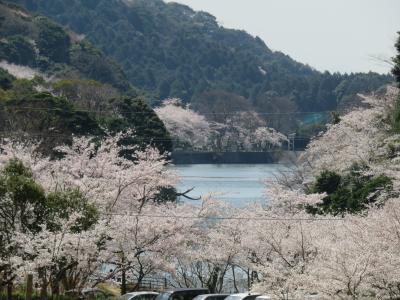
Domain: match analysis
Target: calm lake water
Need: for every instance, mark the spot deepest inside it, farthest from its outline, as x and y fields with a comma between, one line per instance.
x=237, y=184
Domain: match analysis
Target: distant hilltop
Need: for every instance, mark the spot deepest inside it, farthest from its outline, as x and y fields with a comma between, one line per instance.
x=170, y=50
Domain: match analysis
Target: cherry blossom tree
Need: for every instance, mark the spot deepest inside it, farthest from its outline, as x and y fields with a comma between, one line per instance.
x=360, y=137
x=187, y=127
x=242, y=131
x=297, y=255
x=21, y=72
x=22, y=209
x=284, y=251
x=267, y=138
x=148, y=241
x=245, y=131
x=98, y=171
x=64, y=256
x=358, y=256
x=280, y=239
x=352, y=257
x=213, y=252
x=113, y=183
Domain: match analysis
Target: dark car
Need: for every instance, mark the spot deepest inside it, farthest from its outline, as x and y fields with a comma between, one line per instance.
x=211, y=297
x=182, y=294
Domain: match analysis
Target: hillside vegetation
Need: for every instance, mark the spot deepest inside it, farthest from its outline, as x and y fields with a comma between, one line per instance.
x=54, y=85
x=39, y=43
x=174, y=51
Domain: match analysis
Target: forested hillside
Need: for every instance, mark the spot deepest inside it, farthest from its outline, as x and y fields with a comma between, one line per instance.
x=55, y=84
x=39, y=43
x=174, y=51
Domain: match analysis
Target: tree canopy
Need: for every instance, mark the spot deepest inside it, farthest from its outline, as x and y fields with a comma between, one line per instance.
x=40, y=43
x=172, y=51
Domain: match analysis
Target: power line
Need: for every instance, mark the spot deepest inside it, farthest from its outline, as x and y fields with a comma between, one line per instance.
x=222, y=218
x=221, y=177
x=136, y=139
x=152, y=112
x=46, y=134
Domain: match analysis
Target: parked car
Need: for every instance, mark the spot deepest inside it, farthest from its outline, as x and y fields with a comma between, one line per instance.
x=140, y=296
x=88, y=293
x=211, y=297
x=263, y=297
x=243, y=296
x=182, y=294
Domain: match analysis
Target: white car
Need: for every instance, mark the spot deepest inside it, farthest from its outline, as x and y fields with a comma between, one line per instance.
x=211, y=297
x=243, y=296
x=140, y=296
x=263, y=297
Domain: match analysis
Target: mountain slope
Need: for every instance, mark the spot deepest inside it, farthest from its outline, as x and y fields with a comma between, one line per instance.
x=173, y=51
x=39, y=43
x=54, y=93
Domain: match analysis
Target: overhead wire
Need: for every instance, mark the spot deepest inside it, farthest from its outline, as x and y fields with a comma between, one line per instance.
x=47, y=134
x=152, y=112
x=6, y=134
x=221, y=218
x=298, y=138
x=74, y=134
x=227, y=218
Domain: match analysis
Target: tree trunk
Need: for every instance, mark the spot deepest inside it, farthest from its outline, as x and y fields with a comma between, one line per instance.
x=123, y=281
x=213, y=280
x=248, y=279
x=29, y=287
x=55, y=288
x=43, y=284
x=139, y=280
x=234, y=280
x=9, y=290
x=254, y=277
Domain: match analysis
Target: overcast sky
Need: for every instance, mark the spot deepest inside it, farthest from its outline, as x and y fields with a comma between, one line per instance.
x=334, y=35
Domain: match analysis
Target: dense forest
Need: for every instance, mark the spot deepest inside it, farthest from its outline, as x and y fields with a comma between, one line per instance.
x=39, y=43
x=55, y=85
x=165, y=50
x=170, y=50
